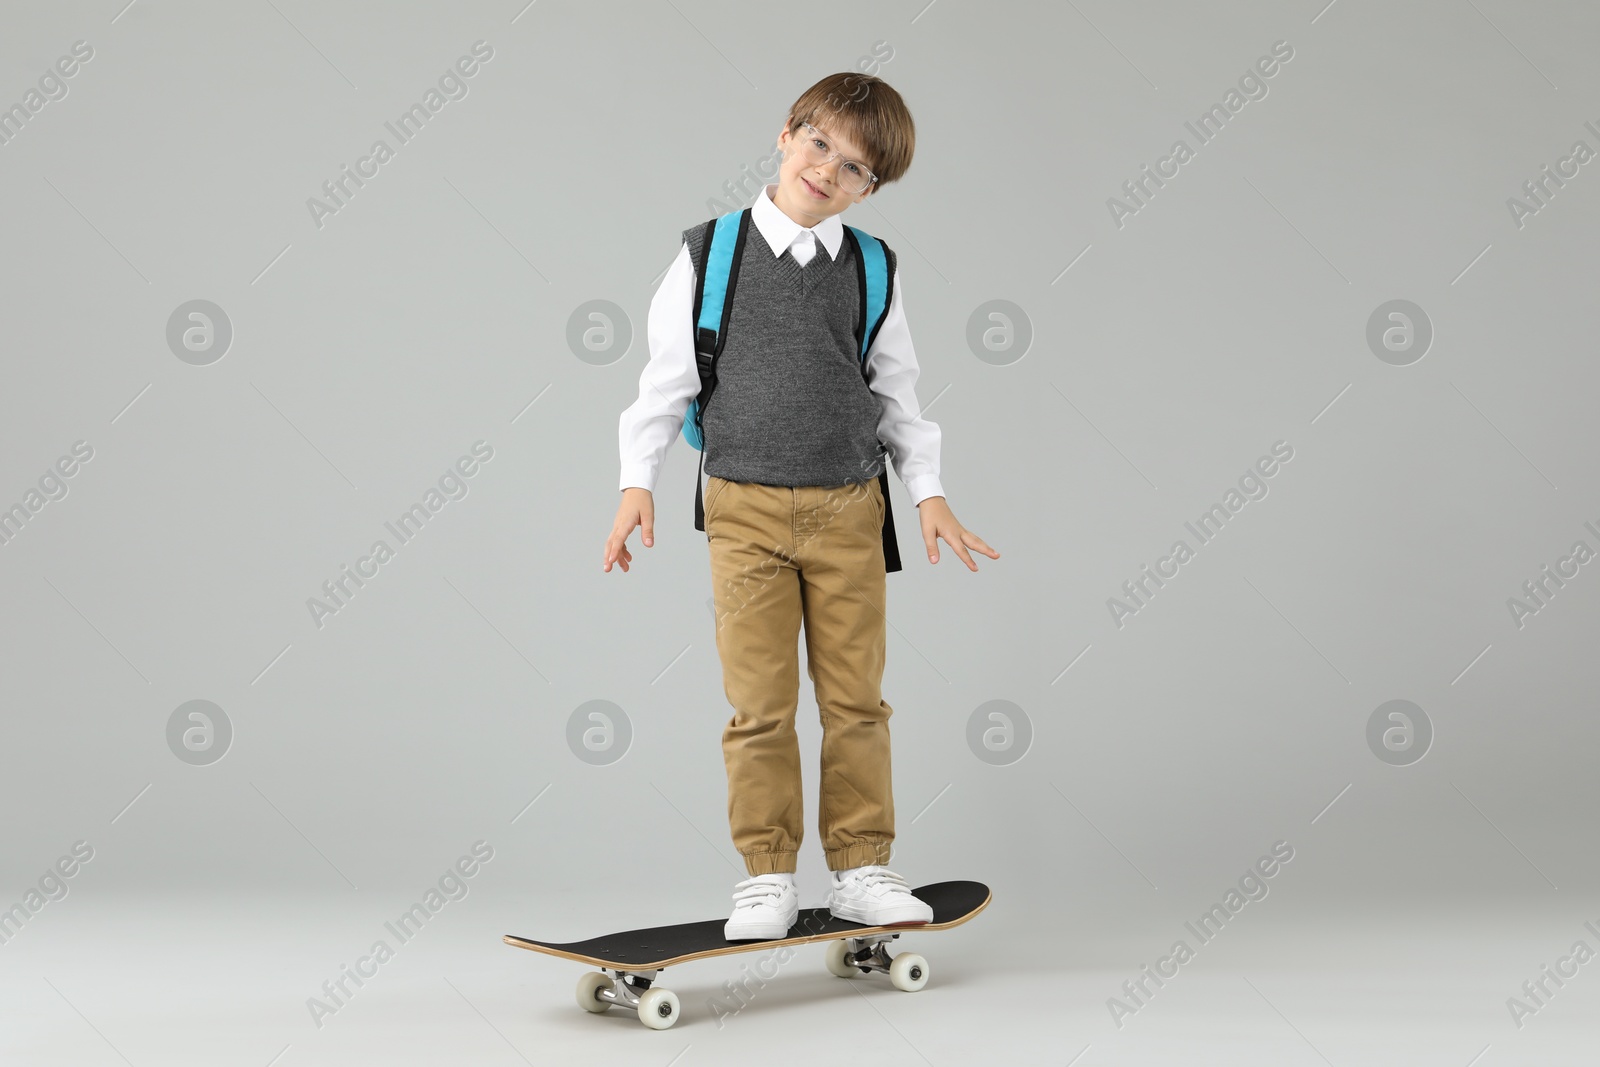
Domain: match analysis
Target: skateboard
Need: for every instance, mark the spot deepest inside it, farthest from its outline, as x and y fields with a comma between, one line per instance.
x=630, y=961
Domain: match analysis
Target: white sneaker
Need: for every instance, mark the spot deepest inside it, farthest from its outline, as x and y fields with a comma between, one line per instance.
x=764, y=908
x=875, y=896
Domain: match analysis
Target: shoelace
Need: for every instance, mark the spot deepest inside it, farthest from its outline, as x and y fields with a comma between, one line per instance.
x=754, y=892
x=881, y=880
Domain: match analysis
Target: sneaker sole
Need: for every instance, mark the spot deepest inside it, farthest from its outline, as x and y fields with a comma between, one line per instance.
x=752, y=932
x=854, y=916
x=754, y=935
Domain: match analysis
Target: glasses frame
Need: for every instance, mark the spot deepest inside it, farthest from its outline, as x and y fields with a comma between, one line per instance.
x=805, y=149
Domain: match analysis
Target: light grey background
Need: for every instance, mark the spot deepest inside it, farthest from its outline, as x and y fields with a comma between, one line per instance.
x=432, y=311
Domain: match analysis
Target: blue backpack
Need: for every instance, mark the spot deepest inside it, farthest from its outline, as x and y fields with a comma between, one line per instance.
x=716, y=274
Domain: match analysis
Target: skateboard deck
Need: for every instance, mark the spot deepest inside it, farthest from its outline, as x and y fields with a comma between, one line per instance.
x=634, y=956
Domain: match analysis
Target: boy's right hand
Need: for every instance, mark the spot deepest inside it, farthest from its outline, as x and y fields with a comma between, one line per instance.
x=638, y=508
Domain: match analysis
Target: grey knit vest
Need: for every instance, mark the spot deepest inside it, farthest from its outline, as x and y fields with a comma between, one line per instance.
x=791, y=406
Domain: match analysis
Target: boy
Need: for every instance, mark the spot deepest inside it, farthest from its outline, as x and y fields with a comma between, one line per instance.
x=794, y=437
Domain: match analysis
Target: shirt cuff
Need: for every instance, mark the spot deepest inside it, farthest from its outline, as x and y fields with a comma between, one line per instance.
x=923, y=486
x=638, y=475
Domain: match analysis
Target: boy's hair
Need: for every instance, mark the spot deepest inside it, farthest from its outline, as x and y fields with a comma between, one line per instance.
x=868, y=111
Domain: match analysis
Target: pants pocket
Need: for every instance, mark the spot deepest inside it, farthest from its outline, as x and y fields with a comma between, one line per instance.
x=713, y=491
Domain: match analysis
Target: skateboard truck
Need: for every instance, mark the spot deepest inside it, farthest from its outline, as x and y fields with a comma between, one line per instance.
x=657, y=1008
x=852, y=957
x=868, y=953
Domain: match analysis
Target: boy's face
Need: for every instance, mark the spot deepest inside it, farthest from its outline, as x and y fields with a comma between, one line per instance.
x=806, y=193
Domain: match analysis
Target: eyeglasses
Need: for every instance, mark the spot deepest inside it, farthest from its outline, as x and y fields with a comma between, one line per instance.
x=853, y=175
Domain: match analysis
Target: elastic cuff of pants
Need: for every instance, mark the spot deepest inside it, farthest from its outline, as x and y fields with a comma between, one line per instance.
x=840, y=859
x=769, y=863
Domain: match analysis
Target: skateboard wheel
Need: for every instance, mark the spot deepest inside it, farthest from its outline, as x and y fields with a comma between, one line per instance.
x=839, y=961
x=588, y=988
x=908, y=971
x=658, y=1008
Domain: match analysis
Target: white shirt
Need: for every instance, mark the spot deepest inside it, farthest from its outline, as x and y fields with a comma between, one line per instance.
x=670, y=379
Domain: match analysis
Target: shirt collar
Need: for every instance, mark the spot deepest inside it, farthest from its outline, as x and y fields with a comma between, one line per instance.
x=780, y=230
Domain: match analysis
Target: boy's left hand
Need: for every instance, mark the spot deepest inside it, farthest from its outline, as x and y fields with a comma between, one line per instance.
x=939, y=521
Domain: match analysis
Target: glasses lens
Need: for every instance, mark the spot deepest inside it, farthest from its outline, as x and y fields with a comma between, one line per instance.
x=815, y=146
x=852, y=177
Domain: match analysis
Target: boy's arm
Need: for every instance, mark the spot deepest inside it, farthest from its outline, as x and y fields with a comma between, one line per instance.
x=892, y=374
x=668, y=382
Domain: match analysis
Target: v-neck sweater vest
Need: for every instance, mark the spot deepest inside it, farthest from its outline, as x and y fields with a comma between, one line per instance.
x=791, y=407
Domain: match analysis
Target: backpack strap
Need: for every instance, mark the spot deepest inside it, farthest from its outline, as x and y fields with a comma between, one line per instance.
x=876, y=288
x=716, y=275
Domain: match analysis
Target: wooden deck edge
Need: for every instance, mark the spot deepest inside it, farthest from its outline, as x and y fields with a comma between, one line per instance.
x=751, y=946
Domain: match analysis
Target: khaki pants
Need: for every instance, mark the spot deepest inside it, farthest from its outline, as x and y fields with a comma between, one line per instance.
x=779, y=556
